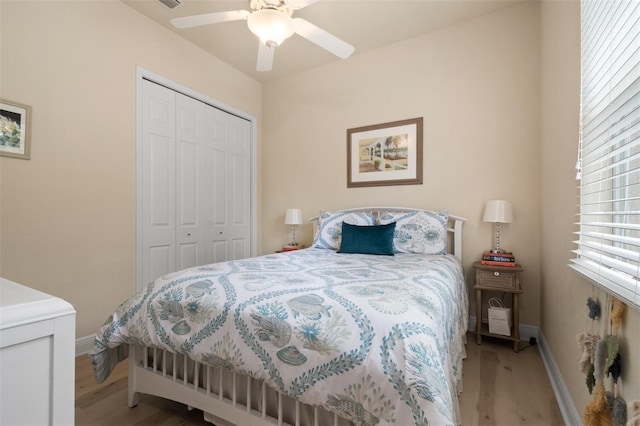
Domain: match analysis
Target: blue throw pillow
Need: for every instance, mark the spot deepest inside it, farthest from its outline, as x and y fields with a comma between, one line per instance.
x=376, y=239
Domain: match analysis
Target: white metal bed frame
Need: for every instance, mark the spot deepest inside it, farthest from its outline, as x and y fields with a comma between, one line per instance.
x=229, y=398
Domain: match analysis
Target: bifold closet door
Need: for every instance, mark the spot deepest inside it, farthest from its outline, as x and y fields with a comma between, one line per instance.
x=229, y=147
x=195, y=188
x=193, y=201
x=156, y=188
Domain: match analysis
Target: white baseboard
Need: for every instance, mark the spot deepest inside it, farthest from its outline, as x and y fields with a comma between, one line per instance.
x=565, y=402
x=84, y=345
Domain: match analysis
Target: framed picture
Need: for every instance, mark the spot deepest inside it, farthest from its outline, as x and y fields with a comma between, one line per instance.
x=14, y=129
x=385, y=154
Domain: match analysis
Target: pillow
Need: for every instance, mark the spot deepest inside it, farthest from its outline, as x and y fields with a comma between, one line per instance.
x=377, y=239
x=329, y=231
x=422, y=231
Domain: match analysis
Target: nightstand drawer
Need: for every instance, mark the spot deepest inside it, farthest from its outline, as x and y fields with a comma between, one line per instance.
x=497, y=279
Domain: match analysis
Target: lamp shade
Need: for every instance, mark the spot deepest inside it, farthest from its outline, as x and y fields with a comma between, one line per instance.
x=498, y=211
x=271, y=26
x=293, y=217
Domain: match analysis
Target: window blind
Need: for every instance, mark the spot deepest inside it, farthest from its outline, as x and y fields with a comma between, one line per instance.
x=608, y=247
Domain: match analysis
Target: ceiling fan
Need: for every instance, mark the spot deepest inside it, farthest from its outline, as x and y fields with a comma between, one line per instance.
x=272, y=22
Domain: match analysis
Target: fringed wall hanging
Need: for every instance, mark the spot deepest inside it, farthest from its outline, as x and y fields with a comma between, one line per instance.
x=596, y=412
x=607, y=407
x=594, y=308
x=617, y=312
x=587, y=343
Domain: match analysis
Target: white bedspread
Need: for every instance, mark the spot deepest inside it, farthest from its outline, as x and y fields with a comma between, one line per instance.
x=376, y=339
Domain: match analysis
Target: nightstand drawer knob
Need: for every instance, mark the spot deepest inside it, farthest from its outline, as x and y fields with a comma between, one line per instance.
x=496, y=273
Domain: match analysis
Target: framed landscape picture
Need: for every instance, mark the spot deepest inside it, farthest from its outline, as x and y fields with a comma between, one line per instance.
x=385, y=154
x=14, y=129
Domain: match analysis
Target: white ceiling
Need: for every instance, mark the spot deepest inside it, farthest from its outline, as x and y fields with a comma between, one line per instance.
x=365, y=24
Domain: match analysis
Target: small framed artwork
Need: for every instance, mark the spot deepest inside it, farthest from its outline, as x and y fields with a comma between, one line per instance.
x=15, y=121
x=385, y=154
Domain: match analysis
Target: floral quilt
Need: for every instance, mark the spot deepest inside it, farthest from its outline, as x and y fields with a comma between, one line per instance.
x=375, y=339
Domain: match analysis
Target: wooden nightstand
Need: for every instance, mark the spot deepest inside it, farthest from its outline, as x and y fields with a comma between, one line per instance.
x=505, y=279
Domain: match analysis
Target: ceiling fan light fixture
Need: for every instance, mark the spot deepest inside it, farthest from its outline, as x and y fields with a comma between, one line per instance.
x=271, y=26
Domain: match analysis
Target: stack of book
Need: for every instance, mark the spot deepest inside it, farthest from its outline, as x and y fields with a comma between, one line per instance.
x=498, y=259
x=290, y=247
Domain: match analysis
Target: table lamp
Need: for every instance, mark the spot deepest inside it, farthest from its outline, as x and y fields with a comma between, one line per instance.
x=498, y=211
x=293, y=218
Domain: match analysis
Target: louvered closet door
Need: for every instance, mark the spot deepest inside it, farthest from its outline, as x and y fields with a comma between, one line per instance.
x=157, y=174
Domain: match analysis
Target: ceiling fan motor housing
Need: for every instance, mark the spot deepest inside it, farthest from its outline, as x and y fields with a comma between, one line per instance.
x=279, y=5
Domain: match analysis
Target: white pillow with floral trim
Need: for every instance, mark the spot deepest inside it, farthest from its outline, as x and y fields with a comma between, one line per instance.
x=329, y=234
x=423, y=231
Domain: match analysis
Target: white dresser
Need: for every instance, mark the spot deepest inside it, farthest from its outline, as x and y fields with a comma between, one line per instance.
x=37, y=357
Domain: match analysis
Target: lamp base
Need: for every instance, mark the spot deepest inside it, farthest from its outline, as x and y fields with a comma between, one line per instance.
x=498, y=251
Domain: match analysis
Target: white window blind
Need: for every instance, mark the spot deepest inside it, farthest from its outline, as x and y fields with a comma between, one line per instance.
x=608, y=250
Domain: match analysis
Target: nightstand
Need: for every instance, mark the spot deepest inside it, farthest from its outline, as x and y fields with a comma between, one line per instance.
x=503, y=279
x=294, y=249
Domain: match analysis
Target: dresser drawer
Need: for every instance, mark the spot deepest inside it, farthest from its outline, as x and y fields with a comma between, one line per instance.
x=497, y=279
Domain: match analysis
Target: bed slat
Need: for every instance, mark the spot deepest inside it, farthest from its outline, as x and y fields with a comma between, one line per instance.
x=150, y=371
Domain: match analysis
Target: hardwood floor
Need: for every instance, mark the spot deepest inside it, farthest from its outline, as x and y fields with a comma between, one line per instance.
x=501, y=388
x=106, y=404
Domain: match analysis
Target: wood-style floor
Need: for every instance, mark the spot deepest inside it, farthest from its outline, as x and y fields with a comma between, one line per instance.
x=501, y=387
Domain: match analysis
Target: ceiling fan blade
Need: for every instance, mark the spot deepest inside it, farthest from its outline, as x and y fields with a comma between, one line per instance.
x=327, y=41
x=210, y=18
x=265, y=57
x=299, y=4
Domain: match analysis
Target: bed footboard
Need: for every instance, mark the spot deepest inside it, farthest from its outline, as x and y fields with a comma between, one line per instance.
x=224, y=396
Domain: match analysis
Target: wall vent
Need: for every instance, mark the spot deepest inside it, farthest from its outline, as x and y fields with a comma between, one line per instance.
x=170, y=3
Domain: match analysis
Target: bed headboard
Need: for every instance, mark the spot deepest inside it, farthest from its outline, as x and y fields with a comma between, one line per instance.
x=454, y=228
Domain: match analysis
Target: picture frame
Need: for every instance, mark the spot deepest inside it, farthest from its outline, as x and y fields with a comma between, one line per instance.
x=15, y=130
x=385, y=154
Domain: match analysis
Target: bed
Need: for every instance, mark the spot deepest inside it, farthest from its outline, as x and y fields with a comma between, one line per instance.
x=365, y=327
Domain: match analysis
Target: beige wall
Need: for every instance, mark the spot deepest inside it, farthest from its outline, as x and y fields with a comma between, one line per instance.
x=477, y=86
x=67, y=216
x=499, y=97
x=564, y=293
